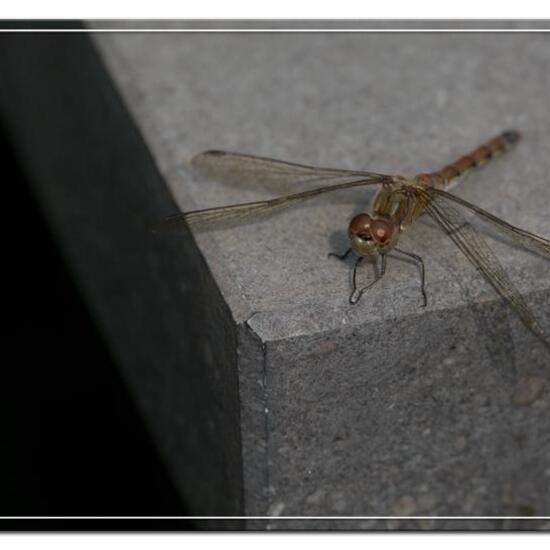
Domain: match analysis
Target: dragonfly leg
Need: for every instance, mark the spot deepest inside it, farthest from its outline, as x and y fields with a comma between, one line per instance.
x=355, y=296
x=420, y=262
x=339, y=256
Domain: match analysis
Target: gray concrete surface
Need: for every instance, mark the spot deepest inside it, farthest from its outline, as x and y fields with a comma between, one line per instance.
x=382, y=409
x=389, y=103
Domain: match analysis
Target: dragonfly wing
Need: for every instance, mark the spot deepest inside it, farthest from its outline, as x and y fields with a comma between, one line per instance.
x=474, y=247
x=524, y=238
x=212, y=218
x=227, y=166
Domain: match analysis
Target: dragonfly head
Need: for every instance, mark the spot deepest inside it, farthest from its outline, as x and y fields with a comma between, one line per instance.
x=371, y=236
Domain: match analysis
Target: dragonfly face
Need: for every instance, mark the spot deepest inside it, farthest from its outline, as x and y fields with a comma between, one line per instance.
x=372, y=235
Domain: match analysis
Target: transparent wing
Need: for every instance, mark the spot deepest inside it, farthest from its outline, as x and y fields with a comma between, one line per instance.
x=474, y=247
x=212, y=218
x=228, y=166
x=524, y=238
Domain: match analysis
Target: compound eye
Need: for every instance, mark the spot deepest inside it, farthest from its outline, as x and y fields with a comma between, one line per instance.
x=381, y=231
x=359, y=226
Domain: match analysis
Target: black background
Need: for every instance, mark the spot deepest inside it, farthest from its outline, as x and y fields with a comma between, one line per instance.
x=72, y=441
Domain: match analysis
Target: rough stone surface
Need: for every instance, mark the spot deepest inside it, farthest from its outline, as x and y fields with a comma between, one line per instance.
x=340, y=100
x=384, y=407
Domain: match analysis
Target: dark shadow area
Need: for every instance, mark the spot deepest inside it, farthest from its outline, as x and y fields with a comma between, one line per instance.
x=72, y=441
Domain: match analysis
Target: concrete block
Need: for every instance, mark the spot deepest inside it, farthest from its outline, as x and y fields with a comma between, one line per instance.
x=381, y=409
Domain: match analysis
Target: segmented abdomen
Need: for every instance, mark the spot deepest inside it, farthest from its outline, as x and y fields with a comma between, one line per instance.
x=499, y=144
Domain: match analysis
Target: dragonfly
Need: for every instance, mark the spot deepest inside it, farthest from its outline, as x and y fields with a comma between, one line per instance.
x=397, y=204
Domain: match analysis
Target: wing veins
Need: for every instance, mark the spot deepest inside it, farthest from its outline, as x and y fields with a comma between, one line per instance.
x=478, y=252
x=524, y=238
x=210, y=217
x=227, y=164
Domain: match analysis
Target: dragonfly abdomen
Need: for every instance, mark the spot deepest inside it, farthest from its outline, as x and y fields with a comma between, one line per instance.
x=485, y=152
x=442, y=178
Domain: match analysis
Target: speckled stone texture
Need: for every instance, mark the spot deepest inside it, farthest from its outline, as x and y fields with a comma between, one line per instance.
x=384, y=408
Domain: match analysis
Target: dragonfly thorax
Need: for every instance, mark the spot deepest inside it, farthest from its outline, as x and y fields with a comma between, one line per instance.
x=372, y=235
